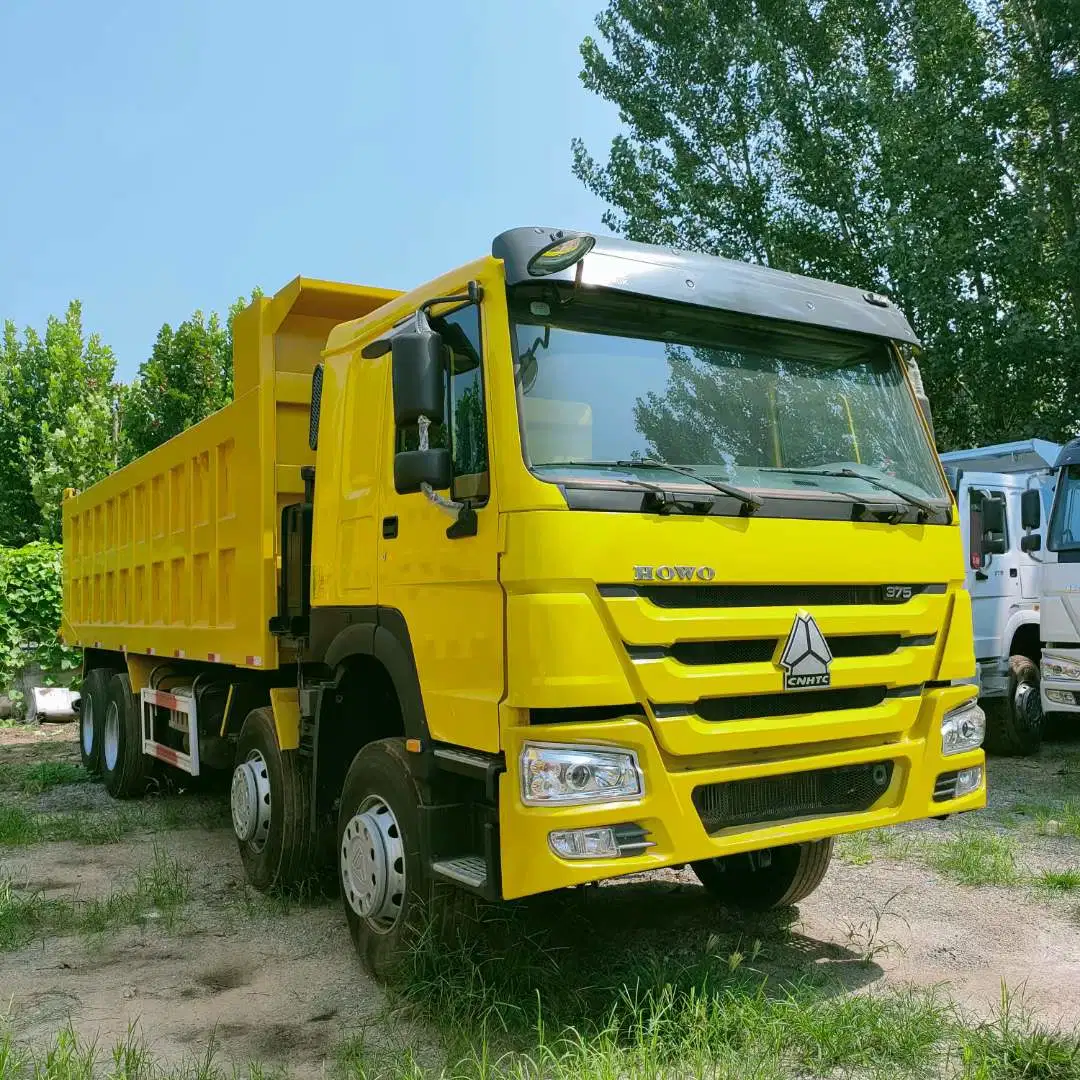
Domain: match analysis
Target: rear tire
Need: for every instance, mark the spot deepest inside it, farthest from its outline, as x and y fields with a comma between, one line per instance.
x=124, y=767
x=271, y=807
x=762, y=880
x=1014, y=724
x=94, y=696
x=385, y=886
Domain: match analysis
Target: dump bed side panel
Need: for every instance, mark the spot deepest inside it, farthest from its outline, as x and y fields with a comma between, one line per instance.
x=177, y=554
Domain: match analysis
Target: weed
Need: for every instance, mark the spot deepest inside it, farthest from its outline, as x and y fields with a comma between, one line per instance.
x=32, y=779
x=866, y=936
x=975, y=857
x=1057, y=880
x=1062, y=820
x=158, y=891
x=854, y=848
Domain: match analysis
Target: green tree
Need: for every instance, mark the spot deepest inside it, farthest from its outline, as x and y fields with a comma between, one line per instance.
x=58, y=422
x=902, y=145
x=188, y=376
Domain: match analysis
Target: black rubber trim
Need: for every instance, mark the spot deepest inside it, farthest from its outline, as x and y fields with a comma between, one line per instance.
x=762, y=706
x=585, y=714
x=632, y=500
x=709, y=596
x=762, y=650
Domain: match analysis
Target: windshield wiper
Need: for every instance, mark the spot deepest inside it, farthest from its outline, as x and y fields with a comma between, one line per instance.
x=854, y=474
x=751, y=502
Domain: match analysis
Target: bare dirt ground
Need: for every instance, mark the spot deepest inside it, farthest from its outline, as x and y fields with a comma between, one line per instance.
x=274, y=980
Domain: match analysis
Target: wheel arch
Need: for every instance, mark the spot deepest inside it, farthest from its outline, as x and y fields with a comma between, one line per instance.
x=1023, y=636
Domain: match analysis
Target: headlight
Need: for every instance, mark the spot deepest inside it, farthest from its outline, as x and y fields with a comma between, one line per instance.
x=1053, y=668
x=563, y=775
x=963, y=728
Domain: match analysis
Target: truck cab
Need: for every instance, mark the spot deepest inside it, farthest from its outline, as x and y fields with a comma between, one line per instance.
x=1060, y=597
x=1004, y=581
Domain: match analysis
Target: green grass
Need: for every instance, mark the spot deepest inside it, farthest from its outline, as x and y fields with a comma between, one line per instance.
x=854, y=848
x=975, y=857
x=1057, y=880
x=159, y=889
x=1062, y=820
x=32, y=779
x=20, y=825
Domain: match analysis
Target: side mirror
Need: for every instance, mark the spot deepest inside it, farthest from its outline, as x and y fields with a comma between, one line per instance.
x=419, y=377
x=1030, y=510
x=415, y=467
x=1031, y=542
x=994, y=545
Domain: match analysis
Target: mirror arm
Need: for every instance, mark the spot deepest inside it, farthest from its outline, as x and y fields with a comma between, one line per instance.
x=465, y=521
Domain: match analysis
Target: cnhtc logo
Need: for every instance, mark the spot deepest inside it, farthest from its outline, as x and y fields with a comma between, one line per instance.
x=806, y=656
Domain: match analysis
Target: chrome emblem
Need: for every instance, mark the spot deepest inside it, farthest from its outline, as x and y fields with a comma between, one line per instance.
x=674, y=573
x=806, y=656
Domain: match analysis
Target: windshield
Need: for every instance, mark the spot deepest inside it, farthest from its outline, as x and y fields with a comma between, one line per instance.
x=1065, y=519
x=607, y=379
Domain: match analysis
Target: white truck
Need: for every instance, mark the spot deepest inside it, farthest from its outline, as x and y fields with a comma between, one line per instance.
x=1060, y=588
x=1002, y=493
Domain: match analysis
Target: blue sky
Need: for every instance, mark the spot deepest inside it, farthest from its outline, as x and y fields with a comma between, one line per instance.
x=158, y=158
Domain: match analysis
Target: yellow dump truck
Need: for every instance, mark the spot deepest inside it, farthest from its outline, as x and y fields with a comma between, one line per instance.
x=584, y=559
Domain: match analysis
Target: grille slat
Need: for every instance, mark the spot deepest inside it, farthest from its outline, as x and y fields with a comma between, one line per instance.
x=762, y=650
x=840, y=790
x=712, y=596
x=759, y=706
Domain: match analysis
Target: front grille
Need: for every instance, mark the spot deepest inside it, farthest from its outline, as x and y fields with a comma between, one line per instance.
x=945, y=788
x=761, y=650
x=710, y=596
x=845, y=789
x=718, y=710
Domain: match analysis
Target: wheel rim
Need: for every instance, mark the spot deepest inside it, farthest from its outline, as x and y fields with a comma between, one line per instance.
x=372, y=861
x=250, y=801
x=1027, y=706
x=111, y=741
x=86, y=724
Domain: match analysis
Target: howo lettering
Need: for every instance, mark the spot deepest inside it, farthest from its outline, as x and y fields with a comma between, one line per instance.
x=584, y=559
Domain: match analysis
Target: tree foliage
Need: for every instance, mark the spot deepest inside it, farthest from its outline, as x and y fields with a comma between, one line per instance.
x=923, y=148
x=58, y=422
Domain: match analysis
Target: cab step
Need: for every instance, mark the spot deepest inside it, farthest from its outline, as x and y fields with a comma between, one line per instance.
x=468, y=870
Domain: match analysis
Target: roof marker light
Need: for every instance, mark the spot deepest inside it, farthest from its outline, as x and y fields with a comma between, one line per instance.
x=560, y=254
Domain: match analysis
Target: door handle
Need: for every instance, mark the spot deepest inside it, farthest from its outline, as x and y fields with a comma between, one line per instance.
x=389, y=528
x=1012, y=571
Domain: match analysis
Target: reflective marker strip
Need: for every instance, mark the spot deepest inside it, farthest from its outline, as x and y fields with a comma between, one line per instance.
x=179, y=654
x=254, y=661
x=166, y=754
x=160, y=697
x=214, y=657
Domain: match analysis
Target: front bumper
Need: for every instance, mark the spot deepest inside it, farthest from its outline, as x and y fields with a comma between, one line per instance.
x=667, y=811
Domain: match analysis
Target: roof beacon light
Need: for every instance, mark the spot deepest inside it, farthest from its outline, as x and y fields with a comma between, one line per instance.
x=560, y=254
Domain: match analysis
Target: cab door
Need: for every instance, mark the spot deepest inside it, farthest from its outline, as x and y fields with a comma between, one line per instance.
x=446, y=587
x=994, y=583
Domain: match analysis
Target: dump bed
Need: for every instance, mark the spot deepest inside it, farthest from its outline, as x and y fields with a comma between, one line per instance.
x=177, y=553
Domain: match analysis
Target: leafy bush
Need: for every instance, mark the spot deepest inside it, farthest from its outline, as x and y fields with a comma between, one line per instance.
x=31, y=581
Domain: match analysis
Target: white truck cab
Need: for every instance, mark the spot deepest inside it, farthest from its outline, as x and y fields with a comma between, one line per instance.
x=1005, y=578
x=1060, y=668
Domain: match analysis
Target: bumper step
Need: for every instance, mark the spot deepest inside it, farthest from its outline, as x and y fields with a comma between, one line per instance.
x=468, y=870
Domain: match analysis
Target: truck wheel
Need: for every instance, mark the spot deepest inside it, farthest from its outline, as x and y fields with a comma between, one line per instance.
x=92, y=704
x=384, y=885
x=760, y=880
x=1014, y=723
x=271, y=806
x=124, y=768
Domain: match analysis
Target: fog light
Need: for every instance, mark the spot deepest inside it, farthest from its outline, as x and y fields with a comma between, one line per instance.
x=584, y=843
x=963, y=728
x=1061, y=697
x=968, y=780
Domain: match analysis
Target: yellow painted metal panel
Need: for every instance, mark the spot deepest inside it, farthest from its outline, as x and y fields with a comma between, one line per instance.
x=285, y=702
x=176, y=555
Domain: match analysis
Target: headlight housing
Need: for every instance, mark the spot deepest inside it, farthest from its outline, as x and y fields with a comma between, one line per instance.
x=554, y=774
x=1055, y=668
x=963, y=728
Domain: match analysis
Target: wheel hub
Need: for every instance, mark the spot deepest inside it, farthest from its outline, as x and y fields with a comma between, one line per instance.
x=250, y=801
x=111, y=740
x=86, y=724
x=1028, y=705
x=372, y=861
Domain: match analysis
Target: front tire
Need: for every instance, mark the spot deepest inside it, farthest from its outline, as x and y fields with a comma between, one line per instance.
x=384, y=884
x=1014, y=724
x=124, y=767
x=94, y=698
x=762, y=880
x=271, y=807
